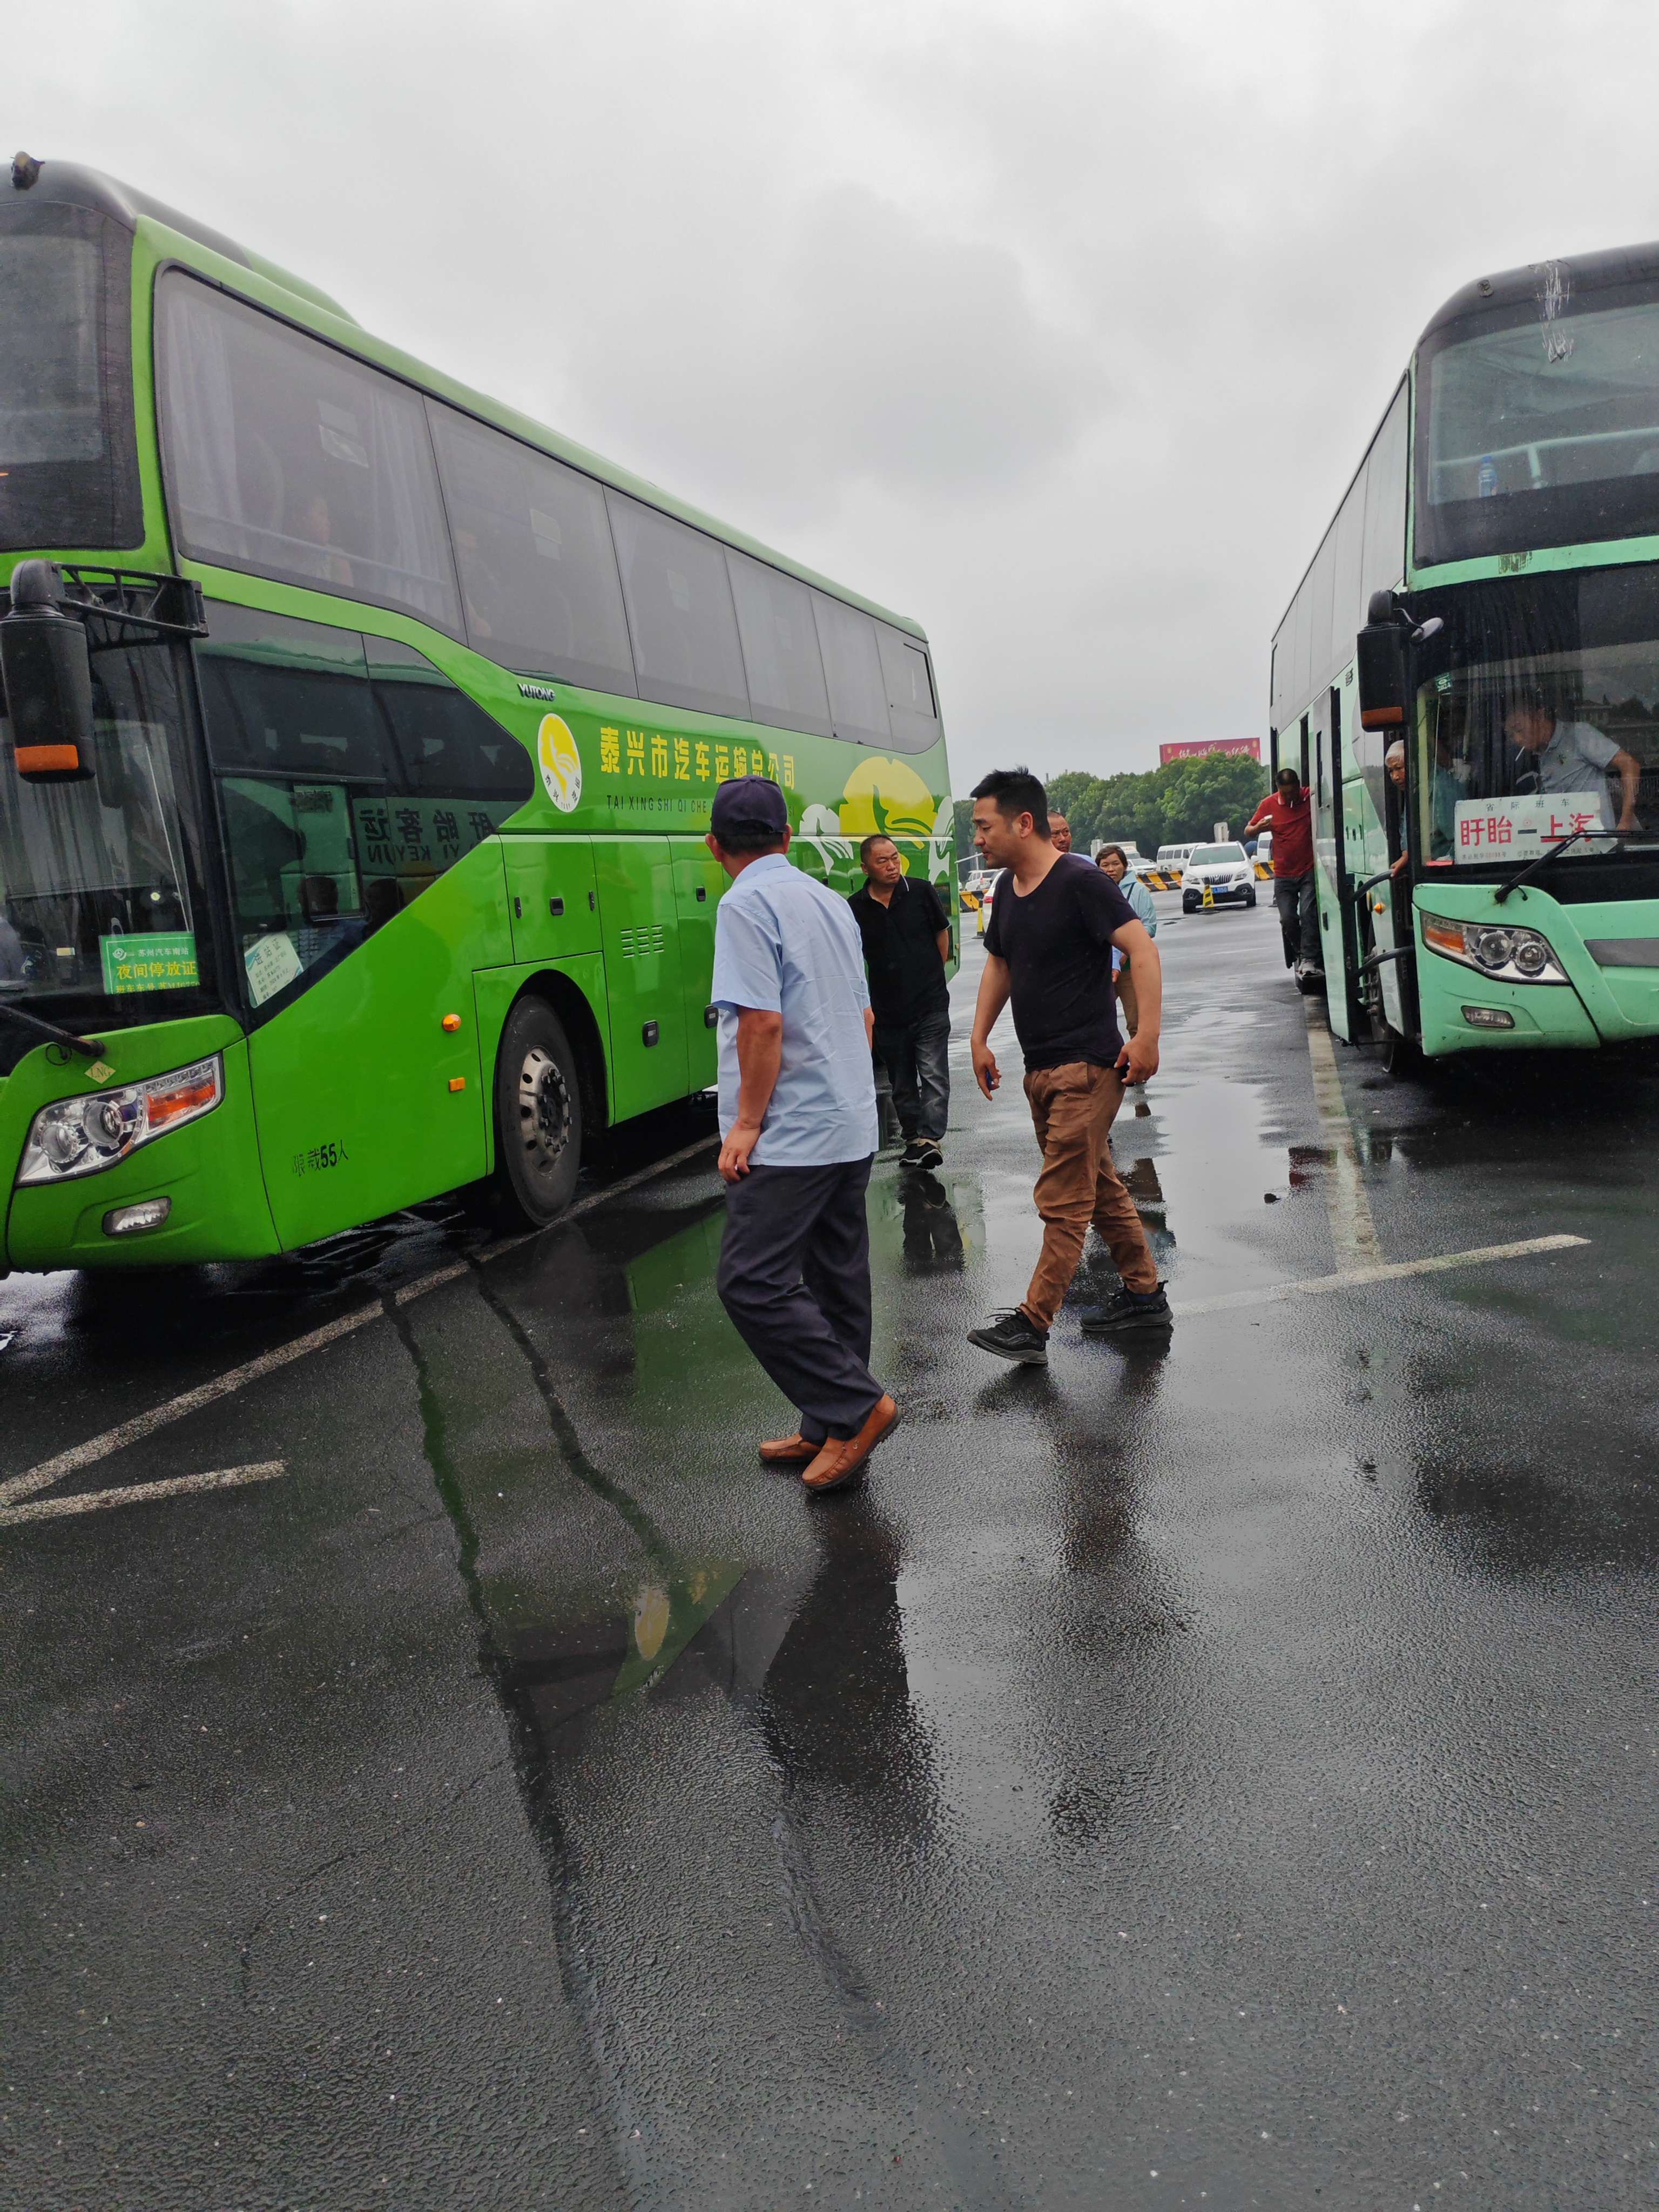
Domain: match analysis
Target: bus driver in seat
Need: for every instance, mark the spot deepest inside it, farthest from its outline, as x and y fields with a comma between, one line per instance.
x=1570, y=757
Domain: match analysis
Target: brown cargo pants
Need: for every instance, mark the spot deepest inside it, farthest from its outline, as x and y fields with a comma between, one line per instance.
x=1072, y=1109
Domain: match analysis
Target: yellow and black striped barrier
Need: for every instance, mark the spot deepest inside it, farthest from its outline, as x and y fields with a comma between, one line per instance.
x=1264, y=871
x=1161, y=879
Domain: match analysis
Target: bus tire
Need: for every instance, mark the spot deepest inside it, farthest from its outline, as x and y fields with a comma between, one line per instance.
x=538, y=1115
x=1398, y=1054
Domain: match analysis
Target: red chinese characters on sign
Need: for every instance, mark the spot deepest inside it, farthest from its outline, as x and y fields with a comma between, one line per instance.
x=1488, y=833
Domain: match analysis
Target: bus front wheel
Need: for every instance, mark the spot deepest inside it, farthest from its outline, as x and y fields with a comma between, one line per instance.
x=538, y=1115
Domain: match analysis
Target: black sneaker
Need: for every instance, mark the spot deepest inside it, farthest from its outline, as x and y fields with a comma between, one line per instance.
x=918, y=1153
x=1011, y=1336
x=1127, y=1310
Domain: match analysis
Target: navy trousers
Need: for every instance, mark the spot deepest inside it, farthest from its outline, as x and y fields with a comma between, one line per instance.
x=794, y=1278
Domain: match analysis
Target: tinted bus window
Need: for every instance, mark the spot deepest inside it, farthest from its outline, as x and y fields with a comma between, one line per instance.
x=1385, y=501
x=679, y=611
x=852, y=662
x=293, y=460
x=69, y=460
x=445, y=745
x=286, y=695
x=911, y=706
x=352, y=774
x=533, y=548
x=779, y=648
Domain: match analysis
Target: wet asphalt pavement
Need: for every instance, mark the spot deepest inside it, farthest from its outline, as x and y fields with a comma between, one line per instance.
x=1220, y=1773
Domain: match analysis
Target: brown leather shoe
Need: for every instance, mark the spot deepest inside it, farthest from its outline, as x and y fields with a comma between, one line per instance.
x=789, y=1451
x=843, y=1457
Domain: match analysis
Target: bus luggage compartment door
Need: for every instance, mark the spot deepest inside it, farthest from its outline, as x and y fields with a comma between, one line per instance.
x=639, y=927
x=552, y=897
x=699, y=879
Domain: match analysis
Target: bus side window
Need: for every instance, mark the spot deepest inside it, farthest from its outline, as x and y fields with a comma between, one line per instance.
x=286, y=457
x=457, y=774
x=352, y=774
x=533, y=548
x=779, y=648
x=852, y=662
x=680, y=611
x=911, y=706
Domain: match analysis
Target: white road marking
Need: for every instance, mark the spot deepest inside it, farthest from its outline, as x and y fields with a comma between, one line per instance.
x=1353, y=1232
x=174, y=1409
x=138, y=1493
x=1354, y=1278
x=51, y=1471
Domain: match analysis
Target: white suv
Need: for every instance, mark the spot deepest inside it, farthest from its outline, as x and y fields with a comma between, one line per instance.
x=1223, y=870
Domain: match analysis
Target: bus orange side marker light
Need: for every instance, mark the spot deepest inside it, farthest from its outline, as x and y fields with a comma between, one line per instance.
x=457, y=1083
x=452, y=1021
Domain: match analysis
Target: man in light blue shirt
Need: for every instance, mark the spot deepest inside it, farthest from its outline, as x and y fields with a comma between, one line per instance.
x=798, y=1133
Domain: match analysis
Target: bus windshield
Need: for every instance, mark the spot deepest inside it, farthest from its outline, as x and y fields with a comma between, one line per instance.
x=1543, y=427
x=95, y=888
x=1547, y=724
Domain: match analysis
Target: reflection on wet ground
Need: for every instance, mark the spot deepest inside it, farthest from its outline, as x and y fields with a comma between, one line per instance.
x=1213, y=1771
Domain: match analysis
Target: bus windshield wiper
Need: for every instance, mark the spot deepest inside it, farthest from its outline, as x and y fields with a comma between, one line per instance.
x=91, y=1046
x=1525, y=875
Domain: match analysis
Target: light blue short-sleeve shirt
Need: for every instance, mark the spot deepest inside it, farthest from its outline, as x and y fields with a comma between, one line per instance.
x=785, y=944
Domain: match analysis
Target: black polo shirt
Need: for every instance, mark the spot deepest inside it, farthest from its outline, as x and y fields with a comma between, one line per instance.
x=900, y=949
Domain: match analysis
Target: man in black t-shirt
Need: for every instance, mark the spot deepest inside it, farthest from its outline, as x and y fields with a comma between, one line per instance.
x=907, y=942
x=1048, y=948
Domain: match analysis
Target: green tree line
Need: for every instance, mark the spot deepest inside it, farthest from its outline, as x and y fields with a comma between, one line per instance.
x=1171, y=805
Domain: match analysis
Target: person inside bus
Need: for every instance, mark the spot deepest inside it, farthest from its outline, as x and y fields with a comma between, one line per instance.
x=1286, y=812
x=1572, y=757
x=1394, y=761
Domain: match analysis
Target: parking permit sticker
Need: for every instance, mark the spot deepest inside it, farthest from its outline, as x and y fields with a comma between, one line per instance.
x=561, y=763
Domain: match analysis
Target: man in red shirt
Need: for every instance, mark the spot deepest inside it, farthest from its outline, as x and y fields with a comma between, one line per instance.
x=1286, y=812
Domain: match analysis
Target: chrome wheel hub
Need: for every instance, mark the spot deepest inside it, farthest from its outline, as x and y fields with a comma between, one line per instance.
x=543, y=1111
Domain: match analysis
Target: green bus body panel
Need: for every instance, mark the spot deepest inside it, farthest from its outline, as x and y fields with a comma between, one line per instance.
x=209, y=1167
x=1598, y=1005
x=641, y=934
x=696, y=869
x=352, y=1082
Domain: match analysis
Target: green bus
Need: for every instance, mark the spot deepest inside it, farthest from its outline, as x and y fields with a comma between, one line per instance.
x=1488, y=596
x=360, y=737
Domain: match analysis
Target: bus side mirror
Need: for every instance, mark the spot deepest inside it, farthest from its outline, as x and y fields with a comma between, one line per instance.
x=46, y=673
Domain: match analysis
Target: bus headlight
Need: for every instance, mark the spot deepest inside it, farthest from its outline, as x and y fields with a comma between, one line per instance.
x=1511, y=956
x=81, y=1136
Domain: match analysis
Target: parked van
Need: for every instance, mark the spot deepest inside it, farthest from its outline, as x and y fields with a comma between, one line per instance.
x=1172, y=858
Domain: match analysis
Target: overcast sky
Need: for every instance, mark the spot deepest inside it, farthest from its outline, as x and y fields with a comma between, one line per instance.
x=1059, y=324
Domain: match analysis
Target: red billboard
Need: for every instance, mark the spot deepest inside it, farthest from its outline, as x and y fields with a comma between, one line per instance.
x=1249, y=746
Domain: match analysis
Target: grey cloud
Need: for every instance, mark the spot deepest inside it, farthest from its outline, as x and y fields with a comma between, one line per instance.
x=1060, y=323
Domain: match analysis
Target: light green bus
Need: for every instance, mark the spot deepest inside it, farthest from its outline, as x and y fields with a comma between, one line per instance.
x=358, y=746
x=1488, y=594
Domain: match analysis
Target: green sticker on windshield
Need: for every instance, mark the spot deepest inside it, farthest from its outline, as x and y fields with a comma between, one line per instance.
x=150, y=963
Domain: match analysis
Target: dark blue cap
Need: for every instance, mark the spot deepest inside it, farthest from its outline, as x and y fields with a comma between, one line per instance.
x=749, y=802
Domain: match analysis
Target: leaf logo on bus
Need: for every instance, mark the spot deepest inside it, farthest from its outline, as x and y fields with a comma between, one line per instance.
x=561, y=763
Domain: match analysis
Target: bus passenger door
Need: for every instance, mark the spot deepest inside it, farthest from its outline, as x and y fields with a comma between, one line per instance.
x=699, y=879
x=1337, y=919
x=639, y=933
